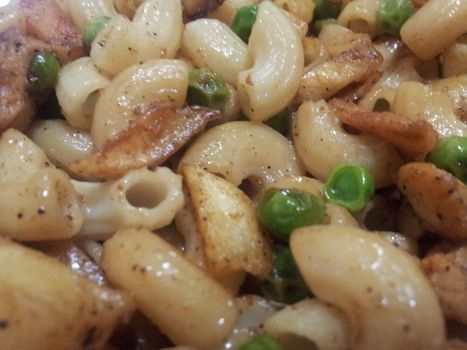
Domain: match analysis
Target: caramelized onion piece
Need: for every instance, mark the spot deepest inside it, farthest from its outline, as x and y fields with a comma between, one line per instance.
x=410, y=137
x=438, y=197
x=149, y=140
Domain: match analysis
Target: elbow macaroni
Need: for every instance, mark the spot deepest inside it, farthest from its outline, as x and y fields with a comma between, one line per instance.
x=422, y=32
x=212, y=44
x=322, y=144
x=155, y=32
x=270, y=85
x=78, y=82
x=37, y=200
x=142, y=198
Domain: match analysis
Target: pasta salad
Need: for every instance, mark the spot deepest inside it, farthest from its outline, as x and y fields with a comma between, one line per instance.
x=233, y=174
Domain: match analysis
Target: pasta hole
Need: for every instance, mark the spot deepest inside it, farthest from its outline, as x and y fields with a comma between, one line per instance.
x=381, y=105
x=359, y=25
x=145, y=195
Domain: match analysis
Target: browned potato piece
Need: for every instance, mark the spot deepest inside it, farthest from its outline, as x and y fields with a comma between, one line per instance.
x=150, y=140
x=438, y=197
x=225, y=217
x=45, y=306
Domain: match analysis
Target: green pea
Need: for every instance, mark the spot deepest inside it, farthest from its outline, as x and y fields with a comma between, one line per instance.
x=392, y=14
x=43, y=72
x=93, y=28
x=326, y=9
x=284, y=284
x=451, y=155
x=320, y=24
x=244, y=20
x=280, y=122
x=206, y=88
x=262, y=342
x=281, y=211
x=350, y=186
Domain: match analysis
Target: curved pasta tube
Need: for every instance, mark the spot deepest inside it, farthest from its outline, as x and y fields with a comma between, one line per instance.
x=181, y=299
x=212, y=44
x=384, y=91
x=241, y=150
x=43, y=297
x=421, y=32
x=83, y=11
x=163, y=80
x=155, y=32
x=322, y=144
x=360, y=16
x=381, y=288
x=20, y=158
x=37, y=200
x=142, y=198
x=310, y=323
x=45, y=207
x=454, y=58
x=77, y=81
x=418, y=101
x=61, y=142
x=270, y=85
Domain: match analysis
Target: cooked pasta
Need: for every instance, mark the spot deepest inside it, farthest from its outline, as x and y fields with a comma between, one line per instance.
x=83, y=11
x=163, y=80
x=435, y=26
x=155, y=32
x=360, y=16
x=270, y=85
x=322, y=144
x=142, y=198
x=77, y=85
x=212, y=44
x=233, y=174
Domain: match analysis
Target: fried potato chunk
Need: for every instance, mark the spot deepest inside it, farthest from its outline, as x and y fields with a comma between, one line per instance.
x=410, y=137
x=46, y=306
x=226, y=220
x=438, y=197
x=149, y=140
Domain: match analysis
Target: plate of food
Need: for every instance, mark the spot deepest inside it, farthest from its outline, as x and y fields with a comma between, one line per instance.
x=233, y=174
